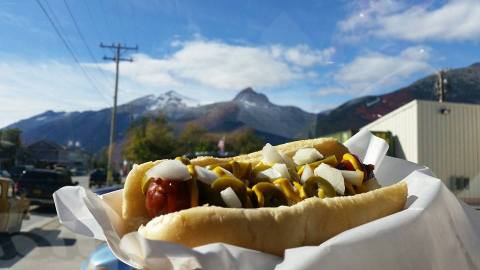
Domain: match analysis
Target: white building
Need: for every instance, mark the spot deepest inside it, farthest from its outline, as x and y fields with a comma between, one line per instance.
x=443, y=136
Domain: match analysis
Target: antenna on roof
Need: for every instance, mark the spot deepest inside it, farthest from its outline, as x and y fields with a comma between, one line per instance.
x=440, y=87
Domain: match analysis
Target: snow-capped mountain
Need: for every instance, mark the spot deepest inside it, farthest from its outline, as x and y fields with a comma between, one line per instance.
x=248, y=109
x=62, y=127
x=165, y=101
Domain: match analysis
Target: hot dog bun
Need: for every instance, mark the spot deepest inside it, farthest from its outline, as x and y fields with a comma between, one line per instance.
x=134, y=212
x=273, y=230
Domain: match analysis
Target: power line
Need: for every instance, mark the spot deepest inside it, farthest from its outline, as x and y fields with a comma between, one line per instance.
x=134, y=16
x=118, y=18
x=105, y=19
x=69, y=48
x=82, y=37
x=89, y=11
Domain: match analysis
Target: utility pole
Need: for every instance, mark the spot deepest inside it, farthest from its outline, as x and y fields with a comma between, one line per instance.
x=118, y=50
x=441, y=85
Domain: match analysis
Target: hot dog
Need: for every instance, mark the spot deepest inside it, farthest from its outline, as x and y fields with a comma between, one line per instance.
x=307, y=191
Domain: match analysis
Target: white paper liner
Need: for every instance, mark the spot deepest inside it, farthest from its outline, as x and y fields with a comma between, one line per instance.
x=435, y=231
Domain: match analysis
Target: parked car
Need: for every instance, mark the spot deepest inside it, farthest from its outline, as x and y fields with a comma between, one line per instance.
x=98, y=177
x=78, y=171
x=38, y=185
x=16, y=172
x=13, y=209
x=102, y=257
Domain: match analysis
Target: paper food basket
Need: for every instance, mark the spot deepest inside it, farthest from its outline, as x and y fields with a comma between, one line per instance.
x=435, y=231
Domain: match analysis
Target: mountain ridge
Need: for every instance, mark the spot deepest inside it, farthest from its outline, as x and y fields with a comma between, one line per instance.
x=248, y=109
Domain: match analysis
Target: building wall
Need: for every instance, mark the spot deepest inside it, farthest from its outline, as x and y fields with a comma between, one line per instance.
x=404, y=126
x=450, y=144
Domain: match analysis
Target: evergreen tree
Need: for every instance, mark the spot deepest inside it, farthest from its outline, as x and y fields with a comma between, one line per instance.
x=11, y=135
x=245, y=141
x=194, y=138
x=149, y=139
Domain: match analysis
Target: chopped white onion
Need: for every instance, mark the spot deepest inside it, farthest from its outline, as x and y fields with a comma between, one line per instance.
x=169, y=170
x=204, y=175
x=271, y=155
x=288, y=160
x=353, y=177
x=307, y=173
x=282, y=170
x=306, y=155
x=269, y=174
x=230, y=198
x=332, y=175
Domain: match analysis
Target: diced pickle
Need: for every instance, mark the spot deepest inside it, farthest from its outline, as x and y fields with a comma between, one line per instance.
x=241, y=170
x=227, y=181
x=192, y=186
x=313, y=186
x=362, y=188
x=226, y=166
x=330, y=160
x=286, y=187
x=260, y=167
x=145, y=183
x=183, y=159
x=220, y=171
x=268, y=195
x=349, y=189
x=299, y=190
x=191, y=170
x=252, y=198
x=352, y=162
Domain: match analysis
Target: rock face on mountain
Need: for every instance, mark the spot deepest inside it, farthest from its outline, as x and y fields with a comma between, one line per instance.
x=254, y=110
x=463, y=86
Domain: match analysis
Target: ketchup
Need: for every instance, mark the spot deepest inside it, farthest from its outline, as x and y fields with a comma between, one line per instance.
x=166, y=196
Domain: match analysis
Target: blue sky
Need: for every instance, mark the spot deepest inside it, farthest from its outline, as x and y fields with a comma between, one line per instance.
x=312, y=54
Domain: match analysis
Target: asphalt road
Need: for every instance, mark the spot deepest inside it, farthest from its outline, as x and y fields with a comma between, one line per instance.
x=44, y=243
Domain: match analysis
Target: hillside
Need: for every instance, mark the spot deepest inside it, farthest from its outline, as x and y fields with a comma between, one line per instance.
x=463, y=86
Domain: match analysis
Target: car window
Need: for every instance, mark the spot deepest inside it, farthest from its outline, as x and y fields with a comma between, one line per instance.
x=38, y=176
x=65, y=179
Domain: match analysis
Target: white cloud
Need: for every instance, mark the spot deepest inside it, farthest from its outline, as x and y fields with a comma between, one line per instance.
x=371, y=72
x=454, y=20
x=303, y=56
x=204, y=70
x=364, y=16
x=30, y=88
x=227, y=67
x=327, y=91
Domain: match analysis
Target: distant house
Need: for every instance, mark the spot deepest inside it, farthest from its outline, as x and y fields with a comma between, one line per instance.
x=443, y=136
x=78, y=160
x=47, y=153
